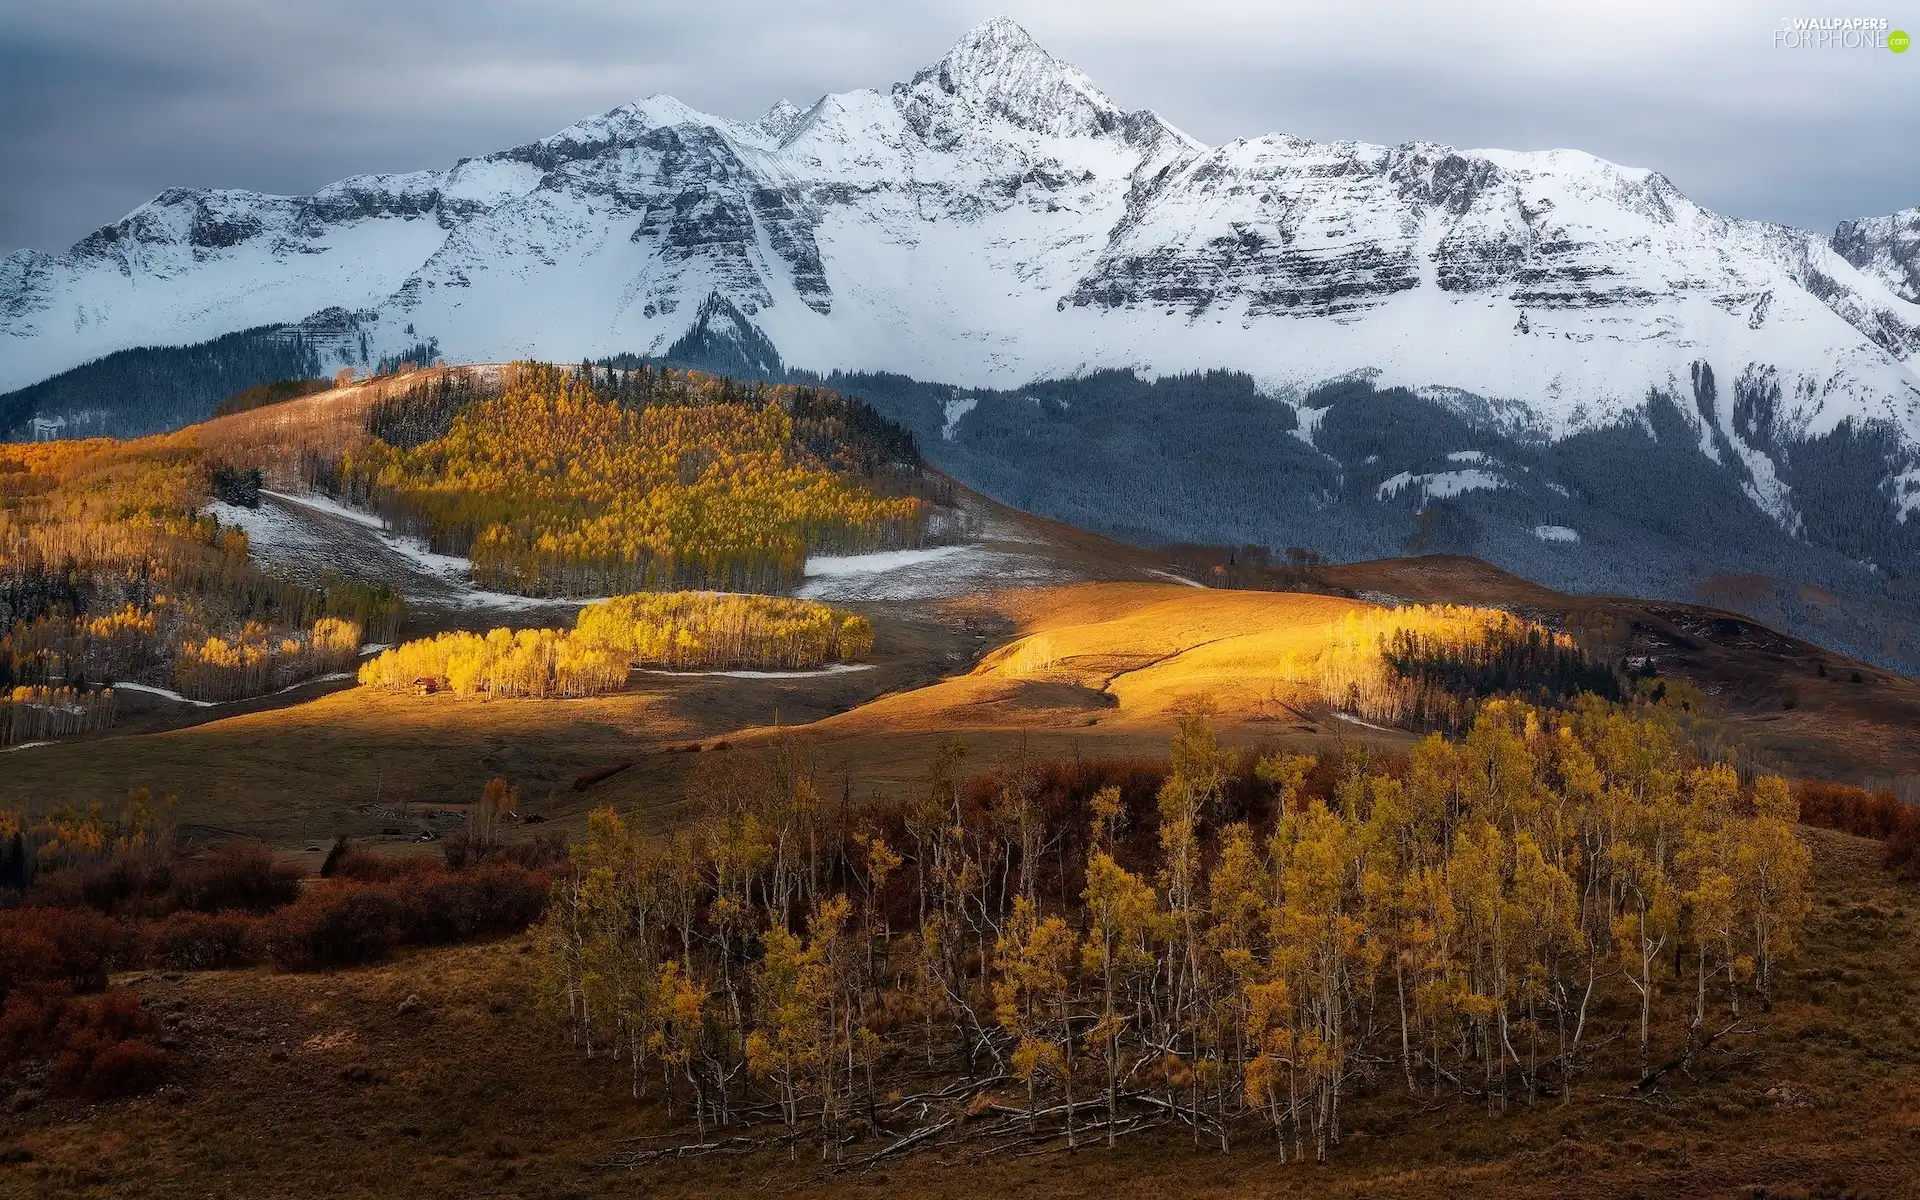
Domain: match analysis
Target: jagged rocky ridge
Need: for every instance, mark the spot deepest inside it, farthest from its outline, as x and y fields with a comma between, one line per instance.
x=997, y=219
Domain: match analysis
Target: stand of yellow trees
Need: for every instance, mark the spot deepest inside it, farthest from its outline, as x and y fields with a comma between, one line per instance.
x=110, y=572
x=552, y=488
x=257, y=661
x=683, y=630
x=29, y=714
x=1419, y=666
x=691, y=630
x=1233, y=951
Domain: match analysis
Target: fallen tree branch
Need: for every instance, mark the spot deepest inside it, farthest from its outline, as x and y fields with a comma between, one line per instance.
x=1682, y=1060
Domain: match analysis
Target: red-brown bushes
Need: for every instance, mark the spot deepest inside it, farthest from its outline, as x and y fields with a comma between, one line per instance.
x=230, y=907
x=74, y=946
x=239, y=876
x=145, y=883
x=126, y=1068
x=346, y=921
x=191, y=941
x=335, y=925
x=488, y=900
x=121, y=884
x=96, y=1046
x=1879, y=815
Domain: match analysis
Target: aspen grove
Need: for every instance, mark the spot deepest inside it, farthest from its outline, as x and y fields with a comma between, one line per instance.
x=1233, y=944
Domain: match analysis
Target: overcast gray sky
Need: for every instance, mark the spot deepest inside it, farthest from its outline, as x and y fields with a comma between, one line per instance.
x=105, y=102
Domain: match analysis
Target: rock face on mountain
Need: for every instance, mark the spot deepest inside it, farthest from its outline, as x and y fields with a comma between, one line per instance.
x=998, y=219
x=1887, y=247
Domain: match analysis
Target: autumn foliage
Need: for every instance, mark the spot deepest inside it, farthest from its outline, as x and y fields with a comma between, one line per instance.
x=556, y=487
x=110, y=571
x=687, y=630
x=1234, y=945
x=1878, y=815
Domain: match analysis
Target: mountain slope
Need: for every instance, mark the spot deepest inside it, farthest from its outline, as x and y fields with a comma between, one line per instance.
x=998, y=219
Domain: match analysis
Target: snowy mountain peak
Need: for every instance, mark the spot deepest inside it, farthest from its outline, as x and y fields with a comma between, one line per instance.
x=1887, y=248
x=780, y=120
x=997, y=71
x=998, y=218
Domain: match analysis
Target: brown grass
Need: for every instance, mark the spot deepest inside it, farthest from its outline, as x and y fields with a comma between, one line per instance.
x=432, y=1076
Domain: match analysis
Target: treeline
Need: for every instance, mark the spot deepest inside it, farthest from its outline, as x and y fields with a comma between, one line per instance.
x=133, y=392
x=503, y=664
x=276, y=392
x=258, y=661
x=1881, y=816
x=596, y=481
x=682, y=630
x=1442, y=673
x=1427, y=666
x=110, y=572
x=29, y=714
x=1235, y=946
x=704, y=629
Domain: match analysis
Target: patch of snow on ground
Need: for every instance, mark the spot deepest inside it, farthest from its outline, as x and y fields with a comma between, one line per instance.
x=830, y=669
x=267, y=528
x=450, y=569
x=1906, y=492
x=1308, y=422
x=163, y=693
x=938, y=572
x=22, y=746
x=1556, y=533
x=1442, y=485
x=1467, y=456
x=956, y=408
x=833, y=566
x=176, y=697
x=1350, y=719
x=1170, y=577
x=328, y=504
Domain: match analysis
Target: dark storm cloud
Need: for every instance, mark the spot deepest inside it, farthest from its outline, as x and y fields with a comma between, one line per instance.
x=108, y=101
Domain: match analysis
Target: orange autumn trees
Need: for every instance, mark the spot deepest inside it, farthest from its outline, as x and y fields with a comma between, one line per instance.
x=556, y=487
x=111, y=571
x=704, y=629
x=685, y=630
x=1220, y=944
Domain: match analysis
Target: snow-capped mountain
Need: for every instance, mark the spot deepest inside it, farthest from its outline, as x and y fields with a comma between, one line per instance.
x=998, y=218
x=1886, y=247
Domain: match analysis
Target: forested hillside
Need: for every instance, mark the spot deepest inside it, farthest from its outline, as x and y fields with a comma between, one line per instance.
x=114, y=568
x=110, y=571
x=592, y=481
x=154, y=389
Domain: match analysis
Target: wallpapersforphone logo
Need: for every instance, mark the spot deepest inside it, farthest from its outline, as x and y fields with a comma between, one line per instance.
x=1840, y=33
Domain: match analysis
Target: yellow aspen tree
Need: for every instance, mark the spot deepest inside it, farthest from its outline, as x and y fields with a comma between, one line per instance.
x=1034, y=968
x=1704, y=868
x=1122, y=917
x=680, y=1034
x=1323, y=949
x=1543, y=917
x=1643, y=927
x=1776, y=874
x=828, y=983
x=784, y=1046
